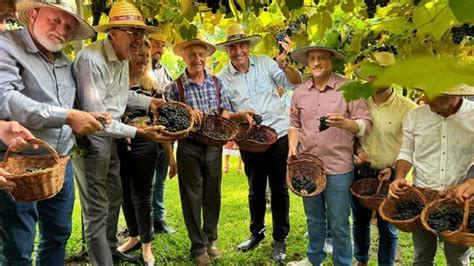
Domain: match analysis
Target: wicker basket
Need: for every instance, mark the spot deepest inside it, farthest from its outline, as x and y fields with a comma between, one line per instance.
x=388, y=209
x=218, y=124
x=458, y=237
x=307, y=165
x=246, y=143
x=38, y=185
x=430, y=194
x=182, y=133
x=360, y=190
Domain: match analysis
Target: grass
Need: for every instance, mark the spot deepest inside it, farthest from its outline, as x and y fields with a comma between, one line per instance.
x=233, y=229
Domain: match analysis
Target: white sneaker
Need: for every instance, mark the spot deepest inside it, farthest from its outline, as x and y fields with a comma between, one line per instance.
x=303, y=262
x=328, y=245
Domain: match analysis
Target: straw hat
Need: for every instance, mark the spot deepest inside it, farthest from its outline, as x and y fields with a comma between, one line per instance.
x=159, y=36
x=125, y=14
x=82, y=31
x=234, y=34
x=383, y=59
x=300, y=55
x=178, y=49
x=460, y=90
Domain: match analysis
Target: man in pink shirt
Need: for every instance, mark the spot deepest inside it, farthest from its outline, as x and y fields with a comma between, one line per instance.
x=318, y=97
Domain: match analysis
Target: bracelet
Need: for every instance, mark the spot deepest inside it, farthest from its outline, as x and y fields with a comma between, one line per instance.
x=284, y=66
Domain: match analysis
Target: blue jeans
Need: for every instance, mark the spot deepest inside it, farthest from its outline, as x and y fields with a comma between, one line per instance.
x=333, y=204
x=388, y=236
x=161, y=172
x=18, y=226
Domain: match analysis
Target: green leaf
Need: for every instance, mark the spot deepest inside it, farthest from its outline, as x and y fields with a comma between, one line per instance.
x=462, y=9
x=357, y=89
x=370, y=69
x=433, y=18
x=294, y=4
x=234, y=10
x=348, y=6
x=188, y=9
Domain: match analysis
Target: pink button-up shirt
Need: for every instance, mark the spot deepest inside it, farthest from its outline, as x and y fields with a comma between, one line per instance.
x=334, y=145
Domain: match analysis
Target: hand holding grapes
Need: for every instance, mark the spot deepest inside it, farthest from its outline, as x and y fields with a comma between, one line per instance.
x=281, y=56
x=339, y=121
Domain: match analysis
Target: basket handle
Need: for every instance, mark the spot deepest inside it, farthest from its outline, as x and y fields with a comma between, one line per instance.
x=39, y=142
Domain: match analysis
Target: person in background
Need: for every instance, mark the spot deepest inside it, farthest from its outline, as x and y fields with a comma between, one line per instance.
x=164, y=78
x=437, y=144
x=37, y=89
x=231, y=148
x=285, y=97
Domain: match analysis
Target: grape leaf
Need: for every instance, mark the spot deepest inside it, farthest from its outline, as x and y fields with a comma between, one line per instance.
x=463, y=10
x=294, y=4
x=357, y=89
x=188, y=9
x=433, y=18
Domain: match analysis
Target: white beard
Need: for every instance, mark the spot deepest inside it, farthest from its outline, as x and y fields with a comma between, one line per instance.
x=46, y=43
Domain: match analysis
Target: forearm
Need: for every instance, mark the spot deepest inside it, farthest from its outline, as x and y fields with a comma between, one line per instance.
x=225, y=114
x=238, y=117
x=402, y=168
x=292, y=75
x=352, y=126
x=293, y=138
x=168, y=148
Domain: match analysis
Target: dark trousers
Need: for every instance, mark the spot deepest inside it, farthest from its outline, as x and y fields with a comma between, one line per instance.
x=137, y=166
x=272, y=165
x=200, y=175
x=18, y=227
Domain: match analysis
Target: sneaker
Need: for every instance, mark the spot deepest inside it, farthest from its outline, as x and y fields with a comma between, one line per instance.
x=328, y=245
x=303, y=262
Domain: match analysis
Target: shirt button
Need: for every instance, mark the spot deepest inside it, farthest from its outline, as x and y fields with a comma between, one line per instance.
x=444, y=152
x=444, y=136
x=442, y=169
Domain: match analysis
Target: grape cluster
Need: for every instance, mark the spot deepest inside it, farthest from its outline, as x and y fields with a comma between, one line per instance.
x=458, y=33
x=292, y=29
x=102, y=120
x=215, y=5
x=416, y=2
x=365, y=170
x=470, y=223
x=445, y=218
x=257, y=118
x=322, y=123
x=408, y=209
x=372, y=6
x=303, y=183
x=33, y=169
x=215, y=135
x=173, y=117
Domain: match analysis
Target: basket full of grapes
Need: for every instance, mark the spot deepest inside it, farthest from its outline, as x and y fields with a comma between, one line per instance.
x=370, y=192
x=36, y=177
x=453, y=222
x=215, y=130
x=404, y=212
x=255, y=138
x=175, y=117
x=306, y=175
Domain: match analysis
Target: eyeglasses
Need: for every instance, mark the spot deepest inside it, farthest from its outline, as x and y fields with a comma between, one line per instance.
x=135, y=34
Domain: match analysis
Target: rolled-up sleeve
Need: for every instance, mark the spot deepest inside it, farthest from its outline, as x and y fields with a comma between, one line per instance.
x=138, y=101
x=408, y=142
x=359, y=112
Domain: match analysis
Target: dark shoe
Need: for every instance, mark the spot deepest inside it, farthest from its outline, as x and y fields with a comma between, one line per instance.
x=118, y=256
x=160, y=227
x=279, y=251
x=250, y=244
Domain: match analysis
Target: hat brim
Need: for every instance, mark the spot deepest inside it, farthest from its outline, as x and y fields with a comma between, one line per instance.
x=252, y=39
x=147, y=29
x=178, y=49
x=300, y=55
x=82, y=31
x=460, y=90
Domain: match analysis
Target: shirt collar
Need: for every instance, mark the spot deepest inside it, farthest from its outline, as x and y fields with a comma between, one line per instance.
x=61, y=60
x=389, y=101
x=187, y=79
x=334, y=79
x=110, y=51
x=232, y=69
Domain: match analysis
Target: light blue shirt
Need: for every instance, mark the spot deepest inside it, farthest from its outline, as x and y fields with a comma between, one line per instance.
x=103, y=86
x=34, y=91
x=256, y=90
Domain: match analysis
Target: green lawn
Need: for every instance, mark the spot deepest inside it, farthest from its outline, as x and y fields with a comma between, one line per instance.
x=233, y=229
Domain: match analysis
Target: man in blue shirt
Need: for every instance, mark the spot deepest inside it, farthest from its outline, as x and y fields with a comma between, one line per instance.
x=251, y=81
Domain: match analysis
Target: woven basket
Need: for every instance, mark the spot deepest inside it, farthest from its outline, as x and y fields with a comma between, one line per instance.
x=181, y=133
x=388, y=209
x=38, y=185
x=430, y=194
x=246, y=143
x=458, y=237
x=361, y=187
x=219, y=125
x=307, y=165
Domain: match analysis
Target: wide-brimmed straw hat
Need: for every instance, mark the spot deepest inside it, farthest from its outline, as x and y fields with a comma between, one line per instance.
x=300, y=55
x=159, y=36
x=460, y=90
x=82, y=31
x=178, y=49
x=234, y=34
x=382, y=59
x=125, y=14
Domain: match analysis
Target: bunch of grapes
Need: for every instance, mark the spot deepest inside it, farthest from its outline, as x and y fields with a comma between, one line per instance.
x=408, y=209
x=470, y=223
x=372, y=6
x=382, y=194
x=173, y=117
x=446, y=218
x=365, y=170
x=292, y=29
x=322, y=123
x=33, y=169
x=458, y=33
x=215, y=135
x=303, y=183
x=215, y=5
x=257, y=118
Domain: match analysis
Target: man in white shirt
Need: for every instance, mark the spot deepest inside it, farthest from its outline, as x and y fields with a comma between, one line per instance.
x=438, y=142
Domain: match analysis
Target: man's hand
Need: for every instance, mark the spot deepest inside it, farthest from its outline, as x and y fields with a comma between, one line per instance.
x=292, y=152
x=4, y=183
x=362, y=156
x=385, y=173
x=197, y=115
x=339, y=121
x=82, y=123
x=103, y=116
x=155, y=104
x=281, y=57
x=15, y=136
x=397, y=188
x=153, y=133
x=173, y=168
x=461, y=192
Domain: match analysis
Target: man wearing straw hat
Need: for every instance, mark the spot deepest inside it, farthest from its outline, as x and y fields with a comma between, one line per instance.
x=102, y=76
x=199, y=165
x=251, y=81
x=438, y=143
x=38, y=90
x=316, y=98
